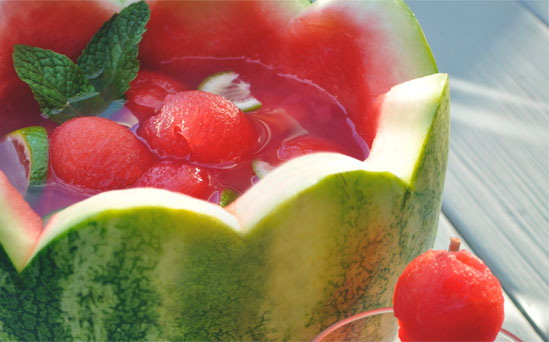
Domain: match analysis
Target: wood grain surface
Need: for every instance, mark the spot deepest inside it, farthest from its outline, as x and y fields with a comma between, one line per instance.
x=497, y=186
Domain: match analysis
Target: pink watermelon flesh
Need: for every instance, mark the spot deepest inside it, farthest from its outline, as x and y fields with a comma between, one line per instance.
x=213, y=29
x=321, y=49
x=20, y=226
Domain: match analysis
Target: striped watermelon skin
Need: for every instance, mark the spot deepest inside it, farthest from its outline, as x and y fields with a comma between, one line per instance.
x=11, y=325
x=145, y=274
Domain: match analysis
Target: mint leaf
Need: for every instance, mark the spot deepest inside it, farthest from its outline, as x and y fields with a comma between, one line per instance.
x=105, y=69
x=59, y=86
x=109, y=60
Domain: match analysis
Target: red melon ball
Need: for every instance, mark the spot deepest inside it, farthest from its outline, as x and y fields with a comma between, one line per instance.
x=204, y=127
x=186, y=179
x=448, y=296
x=303, y=145
x=97, y=153
x=147, y=92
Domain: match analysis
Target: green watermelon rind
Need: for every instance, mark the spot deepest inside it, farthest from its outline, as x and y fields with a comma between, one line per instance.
x=127, y=290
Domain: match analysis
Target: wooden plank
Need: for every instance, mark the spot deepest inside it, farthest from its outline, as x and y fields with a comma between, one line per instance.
x=496, y=194
x=515, y=322
x=540, y=8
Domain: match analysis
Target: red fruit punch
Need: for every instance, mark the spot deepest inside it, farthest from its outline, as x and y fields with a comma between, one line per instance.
x=97, y=153
x=147, y=92
x=209, y=127
x=448, y=296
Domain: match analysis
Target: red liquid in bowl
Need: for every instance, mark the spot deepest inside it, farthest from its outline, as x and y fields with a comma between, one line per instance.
x=290, y=108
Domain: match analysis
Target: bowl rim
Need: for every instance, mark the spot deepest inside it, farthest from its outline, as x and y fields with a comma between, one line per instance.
x=381, y=311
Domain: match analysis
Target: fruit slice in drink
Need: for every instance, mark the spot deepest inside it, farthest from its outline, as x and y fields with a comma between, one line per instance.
x=229, y=85
x=31, y=145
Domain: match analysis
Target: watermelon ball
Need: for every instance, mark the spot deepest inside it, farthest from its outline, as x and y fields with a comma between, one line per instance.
x=203, y=126
x=147, y=92
x=448, y=296
x=97, y=153
x=187, y=179
x=303, y=145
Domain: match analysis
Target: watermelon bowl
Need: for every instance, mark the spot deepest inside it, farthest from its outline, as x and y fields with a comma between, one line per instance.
x=320, y=238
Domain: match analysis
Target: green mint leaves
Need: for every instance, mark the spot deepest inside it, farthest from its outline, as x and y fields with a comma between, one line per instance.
x=110, y=58
x=60, y=87
x=108, y=64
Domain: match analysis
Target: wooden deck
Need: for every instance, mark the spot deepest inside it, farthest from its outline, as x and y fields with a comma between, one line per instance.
x=497, y=187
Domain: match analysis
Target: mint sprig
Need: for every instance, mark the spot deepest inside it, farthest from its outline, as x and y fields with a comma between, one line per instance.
x=108, y=64
x=110, y=58
x=59, y=86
